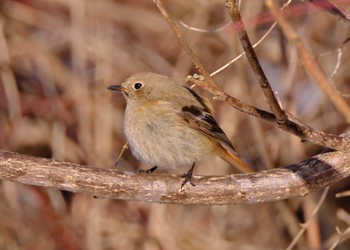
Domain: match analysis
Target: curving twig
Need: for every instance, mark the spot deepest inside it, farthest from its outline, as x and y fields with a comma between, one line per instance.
x=294, y=180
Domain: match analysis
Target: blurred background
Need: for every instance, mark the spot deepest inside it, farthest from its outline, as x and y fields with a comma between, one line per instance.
x=57, y=59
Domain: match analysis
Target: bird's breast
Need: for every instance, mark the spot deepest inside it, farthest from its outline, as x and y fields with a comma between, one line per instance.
x=159, y=137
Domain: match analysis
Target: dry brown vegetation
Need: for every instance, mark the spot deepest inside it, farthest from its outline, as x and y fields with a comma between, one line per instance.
x=58, y=57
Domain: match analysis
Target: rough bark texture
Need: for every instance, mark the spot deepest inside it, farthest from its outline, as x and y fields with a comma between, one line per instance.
x=294, y=180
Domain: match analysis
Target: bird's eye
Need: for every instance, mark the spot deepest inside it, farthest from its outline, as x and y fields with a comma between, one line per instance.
x=138, y=85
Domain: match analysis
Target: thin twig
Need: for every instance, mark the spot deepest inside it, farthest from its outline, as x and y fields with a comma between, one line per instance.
x=125, y=147
x=292, y=125
x=337, y=66
x=332, y=8
x=254, y=46
x=232, y=6
x=186, y=45
x=342, y=194
x=305, y=225
x=205, y=30
x=310, y=65
x=342, y=236
x=243, y=53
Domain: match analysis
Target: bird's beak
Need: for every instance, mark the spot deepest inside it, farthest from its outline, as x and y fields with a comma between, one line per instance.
x=119, y=88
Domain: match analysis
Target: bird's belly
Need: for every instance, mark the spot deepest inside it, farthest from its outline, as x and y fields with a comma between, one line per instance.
x=171, y=145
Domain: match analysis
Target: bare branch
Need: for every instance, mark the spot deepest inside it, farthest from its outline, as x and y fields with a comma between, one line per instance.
x=332, y=8
x=205, y=30
x=337, y=66
x=232, y=6
x=185, y=44
x=291, y=125
x=310, y=65
x=305, y=225
x=294, y=180
x=243, y=53
x=255, y=45
x=282, y=119
x=342, y=236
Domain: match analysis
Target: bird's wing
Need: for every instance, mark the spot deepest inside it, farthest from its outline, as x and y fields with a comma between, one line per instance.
x=200, y=116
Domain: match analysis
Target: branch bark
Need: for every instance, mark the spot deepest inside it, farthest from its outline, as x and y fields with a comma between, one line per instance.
x=294, y=180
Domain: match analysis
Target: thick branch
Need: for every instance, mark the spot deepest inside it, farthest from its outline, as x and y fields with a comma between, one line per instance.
x=300, y=179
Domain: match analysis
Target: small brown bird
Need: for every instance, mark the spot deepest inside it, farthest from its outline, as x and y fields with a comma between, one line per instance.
x=169, y=125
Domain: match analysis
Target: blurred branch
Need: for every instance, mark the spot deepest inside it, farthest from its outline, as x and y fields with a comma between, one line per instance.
x=339, y=57
x=186, y=46
x=332, y=9
x=7, y=76
x=226, y=25
x=283, y=121
x=337, y=66
x=268, y=32
x=294, y=180
x=309, y=63
x=305, y=225
x=342, y=236
x=292, y=125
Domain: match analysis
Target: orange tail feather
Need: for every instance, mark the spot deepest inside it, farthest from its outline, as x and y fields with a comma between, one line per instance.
x=234, y=160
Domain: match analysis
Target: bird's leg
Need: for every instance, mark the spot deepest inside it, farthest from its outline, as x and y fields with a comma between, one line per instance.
x=147, y=171
x=188, y=177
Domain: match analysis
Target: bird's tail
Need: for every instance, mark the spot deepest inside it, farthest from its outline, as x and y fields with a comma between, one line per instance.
x=234, y=160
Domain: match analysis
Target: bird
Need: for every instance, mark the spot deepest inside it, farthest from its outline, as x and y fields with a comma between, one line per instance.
x=169, y=125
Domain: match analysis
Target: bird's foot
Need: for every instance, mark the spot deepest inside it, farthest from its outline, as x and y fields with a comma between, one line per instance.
x=187, y=177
